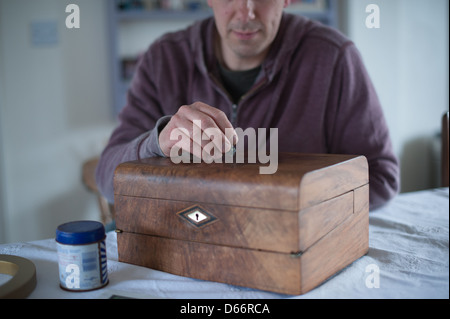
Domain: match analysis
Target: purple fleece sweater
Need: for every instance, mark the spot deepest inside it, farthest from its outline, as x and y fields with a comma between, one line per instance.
x=313, y=87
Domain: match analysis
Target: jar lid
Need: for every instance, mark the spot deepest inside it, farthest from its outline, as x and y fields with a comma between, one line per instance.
x=80, y=232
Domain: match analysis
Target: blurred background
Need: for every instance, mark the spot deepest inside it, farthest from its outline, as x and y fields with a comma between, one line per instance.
x=61, y=89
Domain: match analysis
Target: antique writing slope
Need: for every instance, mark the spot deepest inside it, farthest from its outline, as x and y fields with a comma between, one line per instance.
x=285, y=232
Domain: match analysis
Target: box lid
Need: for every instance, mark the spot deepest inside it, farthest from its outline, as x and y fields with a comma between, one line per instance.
x=301, y=181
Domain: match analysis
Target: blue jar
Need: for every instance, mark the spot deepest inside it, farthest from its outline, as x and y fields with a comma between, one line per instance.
x=82, y=255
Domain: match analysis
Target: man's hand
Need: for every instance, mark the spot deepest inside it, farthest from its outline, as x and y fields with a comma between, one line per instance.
x=199, y=129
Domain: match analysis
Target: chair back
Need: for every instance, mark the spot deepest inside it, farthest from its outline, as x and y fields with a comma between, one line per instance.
x=444, y=156
x=88, y=175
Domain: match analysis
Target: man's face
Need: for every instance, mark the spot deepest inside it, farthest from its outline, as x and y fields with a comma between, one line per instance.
x=246, y=28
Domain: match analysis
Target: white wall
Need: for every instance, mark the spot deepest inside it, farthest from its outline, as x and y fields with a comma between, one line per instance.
x=408, y=60
x=55, y=113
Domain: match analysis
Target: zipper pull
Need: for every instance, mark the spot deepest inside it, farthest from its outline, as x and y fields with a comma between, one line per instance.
x=234, y=114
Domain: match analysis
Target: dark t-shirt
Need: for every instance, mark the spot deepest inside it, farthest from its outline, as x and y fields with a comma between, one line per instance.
x=237, y=83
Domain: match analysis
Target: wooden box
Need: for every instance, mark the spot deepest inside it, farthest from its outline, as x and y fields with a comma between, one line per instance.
x=285, y=233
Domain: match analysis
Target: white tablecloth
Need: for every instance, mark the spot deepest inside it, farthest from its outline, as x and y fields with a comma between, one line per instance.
x=408, y=258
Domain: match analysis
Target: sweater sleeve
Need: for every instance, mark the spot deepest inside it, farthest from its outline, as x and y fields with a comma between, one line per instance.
x=357, y=125
x=137, y=134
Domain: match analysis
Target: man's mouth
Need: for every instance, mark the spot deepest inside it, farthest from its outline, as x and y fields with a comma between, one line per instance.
x=245, y=35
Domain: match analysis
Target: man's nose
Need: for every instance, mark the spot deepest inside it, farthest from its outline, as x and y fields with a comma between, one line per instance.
x=246, y=10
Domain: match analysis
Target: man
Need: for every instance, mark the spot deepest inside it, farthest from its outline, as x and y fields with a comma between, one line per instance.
x=254, y=66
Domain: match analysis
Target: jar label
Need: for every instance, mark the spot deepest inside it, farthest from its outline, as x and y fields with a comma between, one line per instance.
x=82, y=267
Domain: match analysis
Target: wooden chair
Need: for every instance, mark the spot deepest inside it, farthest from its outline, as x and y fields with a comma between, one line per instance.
x=88, y=176
x=444, y=156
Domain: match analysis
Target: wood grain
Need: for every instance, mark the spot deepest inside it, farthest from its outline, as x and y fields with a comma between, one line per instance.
x=322, y=176
x=339, y=248
x=243, y=267
x=265, y=270
x=286, y=232
x=316, y=221
x=244, y=227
